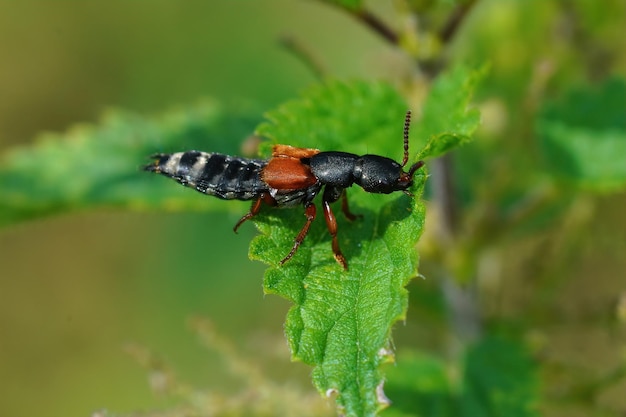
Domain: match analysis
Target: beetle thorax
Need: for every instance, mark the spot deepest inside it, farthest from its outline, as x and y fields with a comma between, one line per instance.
x=334, y=168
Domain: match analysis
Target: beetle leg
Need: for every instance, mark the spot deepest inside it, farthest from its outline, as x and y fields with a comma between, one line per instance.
x=346, y=209
x=255, y=209
x=309, y=212
x=331, y=223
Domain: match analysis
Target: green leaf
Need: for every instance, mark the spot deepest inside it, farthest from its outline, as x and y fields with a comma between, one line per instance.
x=499, y=380
x=583, y=137
x=341, y=321
x=91, y=166
x=447, y=121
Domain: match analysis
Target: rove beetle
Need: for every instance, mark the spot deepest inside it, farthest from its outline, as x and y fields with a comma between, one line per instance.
x=292, y=176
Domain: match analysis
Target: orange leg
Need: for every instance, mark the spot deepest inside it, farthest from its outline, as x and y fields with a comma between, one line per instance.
x=255, y=209
x=331, y=223
x=309, y=212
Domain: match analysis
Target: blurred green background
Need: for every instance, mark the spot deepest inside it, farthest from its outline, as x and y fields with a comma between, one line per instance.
x=76, y=289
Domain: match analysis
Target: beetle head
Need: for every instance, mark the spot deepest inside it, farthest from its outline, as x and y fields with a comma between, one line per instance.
x=377, y=174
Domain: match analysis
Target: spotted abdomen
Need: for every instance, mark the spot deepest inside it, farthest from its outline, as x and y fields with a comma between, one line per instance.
x=226, y=177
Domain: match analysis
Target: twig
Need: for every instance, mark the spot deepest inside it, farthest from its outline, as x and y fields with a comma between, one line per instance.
x=377, y=25
x=303, y=54
x=450, y=28
x=369, y=20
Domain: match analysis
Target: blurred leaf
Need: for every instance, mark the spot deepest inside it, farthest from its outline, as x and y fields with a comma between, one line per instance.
x=419, y=386
x=446, y=120
x=91, y=166
x=499, y=380
x=583, y=136
x=341, y=321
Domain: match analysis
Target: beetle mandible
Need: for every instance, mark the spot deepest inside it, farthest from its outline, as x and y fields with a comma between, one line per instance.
x=292, y=176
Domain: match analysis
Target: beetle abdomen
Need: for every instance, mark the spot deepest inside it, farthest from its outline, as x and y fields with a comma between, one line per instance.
x=226, y=177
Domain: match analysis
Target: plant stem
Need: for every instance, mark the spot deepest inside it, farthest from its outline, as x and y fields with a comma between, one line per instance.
x=444, y=194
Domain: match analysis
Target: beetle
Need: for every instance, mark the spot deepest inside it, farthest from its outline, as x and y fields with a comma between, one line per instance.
x=292, y=176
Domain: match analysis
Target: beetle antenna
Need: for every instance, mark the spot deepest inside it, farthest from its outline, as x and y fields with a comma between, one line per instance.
x=407, y=124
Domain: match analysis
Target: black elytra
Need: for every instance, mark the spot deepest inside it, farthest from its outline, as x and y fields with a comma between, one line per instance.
x=292, y=176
